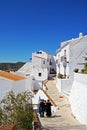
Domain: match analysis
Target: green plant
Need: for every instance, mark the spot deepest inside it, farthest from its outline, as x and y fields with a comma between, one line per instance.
x=17, y=110
x=84, y=69
x=76, y=70
x=60, y=76
x=1, y=115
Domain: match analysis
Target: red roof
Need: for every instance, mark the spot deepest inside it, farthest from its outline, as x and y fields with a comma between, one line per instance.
x=11, y=76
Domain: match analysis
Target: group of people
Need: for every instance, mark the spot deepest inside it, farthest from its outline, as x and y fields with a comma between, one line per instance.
x=45, y=107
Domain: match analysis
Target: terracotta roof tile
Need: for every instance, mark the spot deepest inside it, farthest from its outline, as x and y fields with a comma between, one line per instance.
x=11, y=76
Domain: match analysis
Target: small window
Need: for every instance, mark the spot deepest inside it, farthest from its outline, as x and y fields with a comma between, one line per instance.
x=39, y=52
x=44, y=62
x=64, y=52
x=62, y=58
x=50, y=63
x=39, y=74
x=47, y=60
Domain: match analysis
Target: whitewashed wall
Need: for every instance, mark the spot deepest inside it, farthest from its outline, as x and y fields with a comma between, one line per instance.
x=18, y=86
x=5, y=87
x=38, y=59
x=63, y=85
x=29, y=83
x=44, y=54
x=36, y=62
x=78, y=97
x=44, y=73
x=78, y=50
x=54, y=62
x=75, y=50
x=37, y=84
x=59, y=55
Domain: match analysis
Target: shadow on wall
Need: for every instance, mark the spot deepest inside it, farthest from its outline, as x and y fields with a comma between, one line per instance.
x=37, y=85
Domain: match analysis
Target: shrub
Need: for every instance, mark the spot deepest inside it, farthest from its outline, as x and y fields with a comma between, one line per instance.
x=76, y=70
x=17, y=110
x=60, y=76
x=82, y=70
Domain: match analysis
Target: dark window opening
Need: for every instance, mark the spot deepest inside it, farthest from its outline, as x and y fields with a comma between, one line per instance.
x=39, y=74
x=44, y=62
x=50, y=62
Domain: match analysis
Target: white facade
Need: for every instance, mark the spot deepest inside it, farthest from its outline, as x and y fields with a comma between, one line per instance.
x=61, y=54
x=11, y=83
x=23, y=85
x=42, y=66
x=5, y=87
x=39, y=63
x=70, y=56
x=64, y=85
x=78, y=97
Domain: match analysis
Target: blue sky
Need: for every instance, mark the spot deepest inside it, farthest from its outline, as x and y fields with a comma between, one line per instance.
x=27, y=26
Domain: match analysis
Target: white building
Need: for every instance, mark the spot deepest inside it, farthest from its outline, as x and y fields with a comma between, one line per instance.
x=42, y=67
x=69, y=57
x=11, y=82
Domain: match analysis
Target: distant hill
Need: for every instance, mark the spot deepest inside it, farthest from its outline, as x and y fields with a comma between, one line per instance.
x=11, y=66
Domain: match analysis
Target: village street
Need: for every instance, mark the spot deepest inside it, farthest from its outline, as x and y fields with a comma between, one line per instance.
x=63, y=118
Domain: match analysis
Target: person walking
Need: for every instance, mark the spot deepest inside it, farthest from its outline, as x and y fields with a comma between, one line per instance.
x=42, y=108
x=48, y=108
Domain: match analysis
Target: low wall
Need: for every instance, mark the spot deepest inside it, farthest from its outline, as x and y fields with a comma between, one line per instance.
x=5, y=86
x=63, y=84
x=78, y=97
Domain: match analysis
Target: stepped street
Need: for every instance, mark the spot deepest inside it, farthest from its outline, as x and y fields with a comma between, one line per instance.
x=63, y=118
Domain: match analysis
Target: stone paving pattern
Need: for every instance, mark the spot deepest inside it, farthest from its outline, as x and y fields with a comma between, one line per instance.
x=63, y=118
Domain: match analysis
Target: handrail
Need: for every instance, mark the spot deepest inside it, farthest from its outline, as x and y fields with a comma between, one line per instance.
x=49, y=97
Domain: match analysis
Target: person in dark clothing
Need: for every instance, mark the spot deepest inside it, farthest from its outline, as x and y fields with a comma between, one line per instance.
x=45, y=105
x=42, y=108
x=48, y=108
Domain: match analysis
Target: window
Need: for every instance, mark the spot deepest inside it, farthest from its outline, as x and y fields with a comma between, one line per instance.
x=39, y=52
x=52, y=71
x=62, y=58
x=50, y=63
x=44, y=62
x=47, y=60
x=65, y=53
x=39, y=74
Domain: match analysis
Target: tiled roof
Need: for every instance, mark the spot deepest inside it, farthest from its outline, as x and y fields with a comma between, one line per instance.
x=11, y=76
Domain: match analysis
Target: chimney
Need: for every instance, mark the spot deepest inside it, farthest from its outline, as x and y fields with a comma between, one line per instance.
x=80, y=34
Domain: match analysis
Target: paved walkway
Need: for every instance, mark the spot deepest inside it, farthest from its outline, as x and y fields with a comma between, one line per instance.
x=62, y=119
